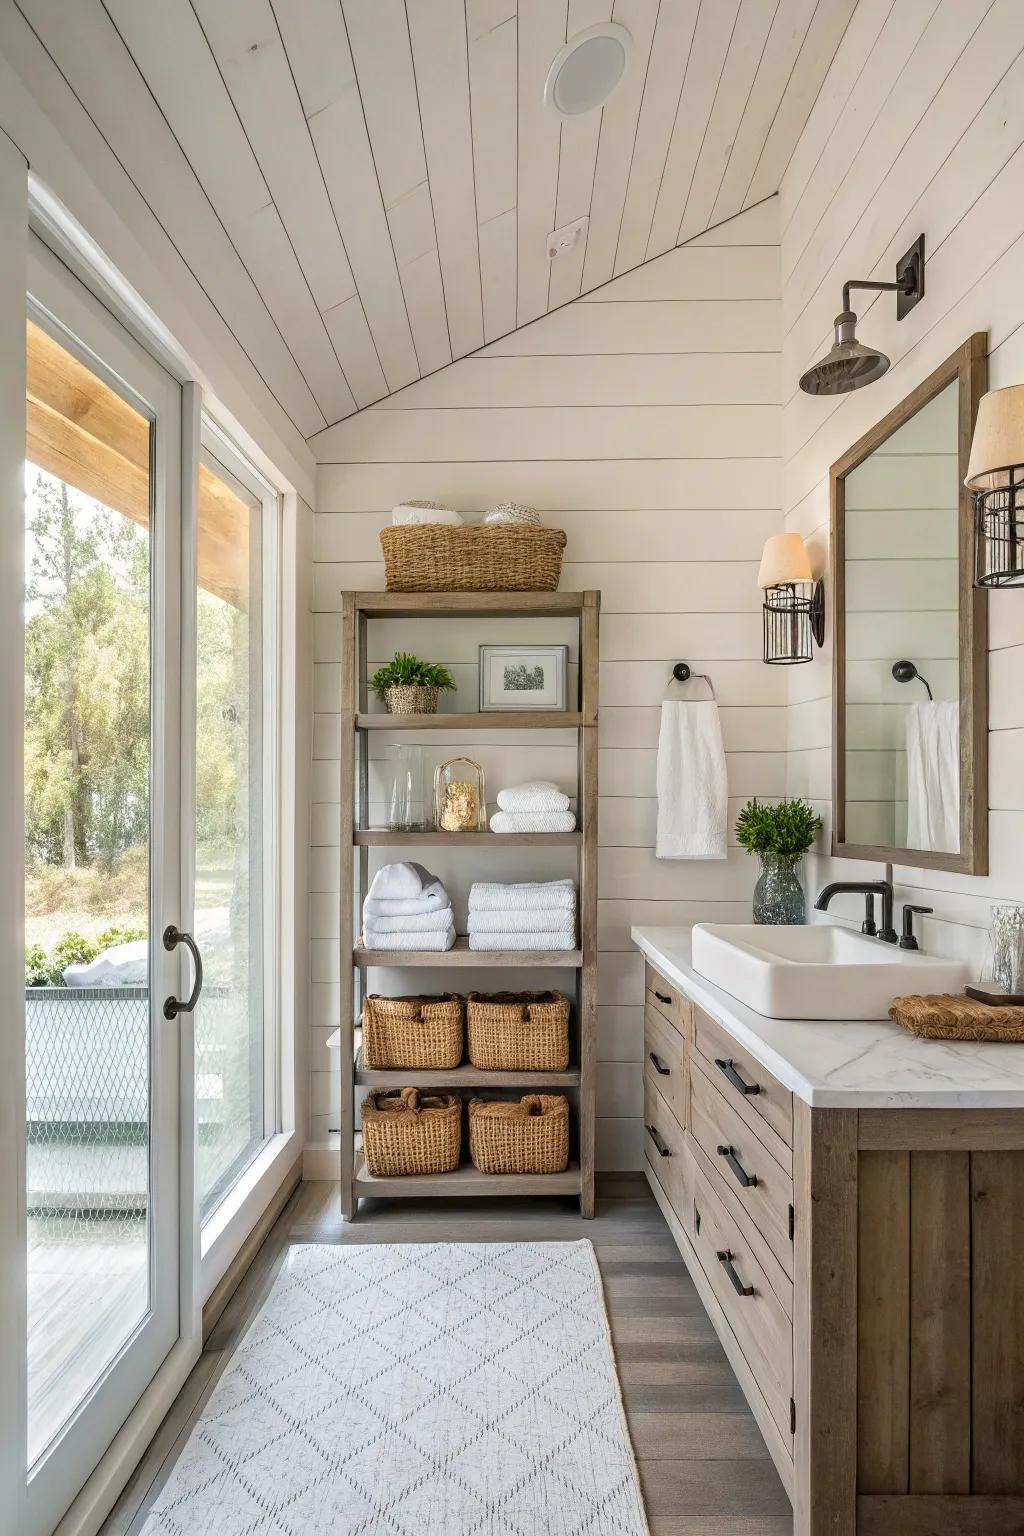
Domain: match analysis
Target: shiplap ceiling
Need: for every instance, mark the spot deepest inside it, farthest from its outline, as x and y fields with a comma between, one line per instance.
x=363, y=188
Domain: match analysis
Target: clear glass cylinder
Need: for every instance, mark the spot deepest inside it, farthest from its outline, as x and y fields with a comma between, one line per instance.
x=404, y=805
x=1006, y=939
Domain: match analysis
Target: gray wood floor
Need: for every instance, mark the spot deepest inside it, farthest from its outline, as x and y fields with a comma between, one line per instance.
x=703, y=1465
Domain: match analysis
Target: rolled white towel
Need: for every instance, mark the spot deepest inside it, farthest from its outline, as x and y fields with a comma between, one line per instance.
x=489, y=896
x=539, y=796
x=400, y=880
x=418, y=513
x=532, y=920
x=533, y=821
x=557, y=938
x=413, y=922
x=429, y=942
x=513, y=512
x=433, y=899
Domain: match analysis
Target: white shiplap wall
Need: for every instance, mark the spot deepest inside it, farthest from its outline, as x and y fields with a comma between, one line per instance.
x=920, y=126
x=645, y=420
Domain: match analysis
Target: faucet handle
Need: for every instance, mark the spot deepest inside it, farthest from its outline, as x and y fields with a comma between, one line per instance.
x=908, y=939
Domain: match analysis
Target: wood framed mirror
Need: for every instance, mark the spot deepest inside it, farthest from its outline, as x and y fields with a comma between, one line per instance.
x=910, y=633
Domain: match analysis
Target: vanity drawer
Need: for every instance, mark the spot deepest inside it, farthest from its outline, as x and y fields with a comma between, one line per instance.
x=762, y=1330
x=769, y=1109
x=667, y=998
x=742, y=1163
x=663, y=1061
x=665, y=1148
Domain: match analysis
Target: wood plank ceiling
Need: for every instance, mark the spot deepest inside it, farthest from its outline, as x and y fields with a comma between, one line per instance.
x=364, y=188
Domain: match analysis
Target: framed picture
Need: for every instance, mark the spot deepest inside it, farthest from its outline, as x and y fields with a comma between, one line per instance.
x=523, y=676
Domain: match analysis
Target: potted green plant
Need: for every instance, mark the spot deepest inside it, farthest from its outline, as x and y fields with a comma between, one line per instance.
x=409, y=686
x=780, y=835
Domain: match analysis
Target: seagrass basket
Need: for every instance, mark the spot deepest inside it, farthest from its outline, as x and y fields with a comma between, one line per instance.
x=411, y=701
x=477, y=557
x=412, y=1031
x=518, y=1031
x=529, y=1137
x=406, y=1132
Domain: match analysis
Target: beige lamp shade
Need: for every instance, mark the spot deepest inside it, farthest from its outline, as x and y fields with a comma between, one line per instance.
x=784, y=561
x=998, y=443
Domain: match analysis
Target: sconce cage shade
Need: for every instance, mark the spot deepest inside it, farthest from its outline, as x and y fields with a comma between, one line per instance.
x=999, y=534
x=794, y=620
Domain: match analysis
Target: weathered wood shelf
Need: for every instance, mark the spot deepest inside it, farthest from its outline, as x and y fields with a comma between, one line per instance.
x=375, y=837
x=482, y=720
x=467, y=605
x=465, y=1180
x=465, y=1076
x=570, y=959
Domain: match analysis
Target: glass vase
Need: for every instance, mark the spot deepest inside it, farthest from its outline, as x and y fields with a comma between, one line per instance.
x=404, y=808
x=778, y=894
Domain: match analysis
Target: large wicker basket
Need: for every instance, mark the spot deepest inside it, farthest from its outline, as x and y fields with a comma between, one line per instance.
x=412, y=1031
x=518, y=1031
x=407, y=1132
x=509, y=557
x=529, y=1137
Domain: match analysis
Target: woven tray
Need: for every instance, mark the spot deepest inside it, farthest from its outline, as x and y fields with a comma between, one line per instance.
x=509, y=557
x=408, y=1132
x=518, y=1031
x=529, y=1137
x=403, y=1032
x=949, y=1016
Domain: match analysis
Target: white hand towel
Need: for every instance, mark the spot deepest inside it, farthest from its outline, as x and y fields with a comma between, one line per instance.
x=933, y=776
x=433, y=899
x=533, y=821
x=413, y=922
x=530, y=920
x=559, y=938
x=428, y=942
x=539, y=796
x=402, y=880
x=693, y=790
x=488, y=896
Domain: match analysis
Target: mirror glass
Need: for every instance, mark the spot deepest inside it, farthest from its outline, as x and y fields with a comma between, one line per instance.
x=902, y=646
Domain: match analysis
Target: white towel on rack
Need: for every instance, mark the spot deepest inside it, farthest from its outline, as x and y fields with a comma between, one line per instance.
x=488, y=896
x=933, y=776
x=557, y=938
x=541, y=795
x=692, y=784
x=533, y=821
x=400, y=881
x=433, y=899
x=428, y=942
x=413, y=922
x=529, y=920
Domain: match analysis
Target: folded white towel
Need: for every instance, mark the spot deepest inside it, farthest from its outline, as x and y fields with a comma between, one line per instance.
x=488, y=896
x=433, y=899
x=693, y=791
x=539, y=796
x=426, y=941
x=558, y=938
x=533, y=821
x=400, y=880
x=531, y=920
x=413, y=922
x=417, y=513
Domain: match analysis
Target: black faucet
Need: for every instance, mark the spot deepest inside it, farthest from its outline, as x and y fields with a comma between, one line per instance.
x=869, y=889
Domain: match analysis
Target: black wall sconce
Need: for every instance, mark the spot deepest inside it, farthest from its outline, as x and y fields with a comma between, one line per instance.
x=996, y=476
x=849, y=364
x=794, y=603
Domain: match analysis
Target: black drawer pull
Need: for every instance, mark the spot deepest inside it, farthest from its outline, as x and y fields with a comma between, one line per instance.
x=662, y=997
x=733, y=1077
x=748, y=1180
x=652, y=1133
x=725, y=1259
x=659, y=1067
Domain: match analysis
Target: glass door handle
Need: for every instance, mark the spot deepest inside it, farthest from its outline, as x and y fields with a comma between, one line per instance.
x=172, y=938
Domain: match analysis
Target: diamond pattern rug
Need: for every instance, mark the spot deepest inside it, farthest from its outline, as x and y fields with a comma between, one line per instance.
x=467, y=1389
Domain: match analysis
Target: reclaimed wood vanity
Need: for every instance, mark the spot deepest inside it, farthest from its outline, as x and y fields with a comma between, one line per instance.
x=849, y=1201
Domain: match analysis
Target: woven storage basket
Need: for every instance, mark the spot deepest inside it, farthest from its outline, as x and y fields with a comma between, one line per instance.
x=529, y=1137
x=518, y=1031
x=412, y=1031
x=949, y=1016
x=411, y=701
x=501, y=557
x=408, y=1132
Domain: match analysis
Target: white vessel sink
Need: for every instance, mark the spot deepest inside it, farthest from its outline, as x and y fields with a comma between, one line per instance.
x=817, y=972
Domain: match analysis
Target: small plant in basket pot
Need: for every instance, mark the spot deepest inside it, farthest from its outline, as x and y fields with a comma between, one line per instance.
x=780, y=835
x=409, y=686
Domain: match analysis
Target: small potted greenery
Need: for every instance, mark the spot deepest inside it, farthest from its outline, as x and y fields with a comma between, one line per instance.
x=780, y=835
x=409, y=686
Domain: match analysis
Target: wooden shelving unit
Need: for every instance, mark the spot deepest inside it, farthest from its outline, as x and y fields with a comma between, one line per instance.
x=578, y=1082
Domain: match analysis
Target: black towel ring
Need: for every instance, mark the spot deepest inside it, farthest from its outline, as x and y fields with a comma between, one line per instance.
x=906, y=672
x=682, y=674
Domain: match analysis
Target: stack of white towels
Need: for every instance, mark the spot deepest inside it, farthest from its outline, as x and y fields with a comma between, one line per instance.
x=407, y=908
x=531, y=916
x=537, y=807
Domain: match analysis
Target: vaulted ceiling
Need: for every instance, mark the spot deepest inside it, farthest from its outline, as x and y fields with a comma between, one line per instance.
x=363, y=188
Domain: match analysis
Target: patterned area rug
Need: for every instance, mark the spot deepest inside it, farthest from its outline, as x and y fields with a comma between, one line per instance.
x=415, y=1390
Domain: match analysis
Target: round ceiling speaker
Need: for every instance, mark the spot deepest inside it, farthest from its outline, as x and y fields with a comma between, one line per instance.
x=588, y=70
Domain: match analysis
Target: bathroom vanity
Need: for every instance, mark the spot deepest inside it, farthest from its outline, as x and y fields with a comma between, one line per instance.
x=849, y=1201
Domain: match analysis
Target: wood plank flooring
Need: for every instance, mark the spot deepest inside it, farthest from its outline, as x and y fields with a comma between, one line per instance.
x=703, y=1465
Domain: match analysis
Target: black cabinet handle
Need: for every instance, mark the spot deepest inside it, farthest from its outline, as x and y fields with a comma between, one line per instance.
x=748, y=1180
x=172, y=938
x=732, y=1076
x=652, y=1133
x=725, y=1259
x=661, y=1070
x=662, y=997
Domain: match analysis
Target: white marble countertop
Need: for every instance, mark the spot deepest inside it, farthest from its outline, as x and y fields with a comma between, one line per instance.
x=849, y=1065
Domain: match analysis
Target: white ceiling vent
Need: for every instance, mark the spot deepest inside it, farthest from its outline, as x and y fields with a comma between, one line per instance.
x=588, y=70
